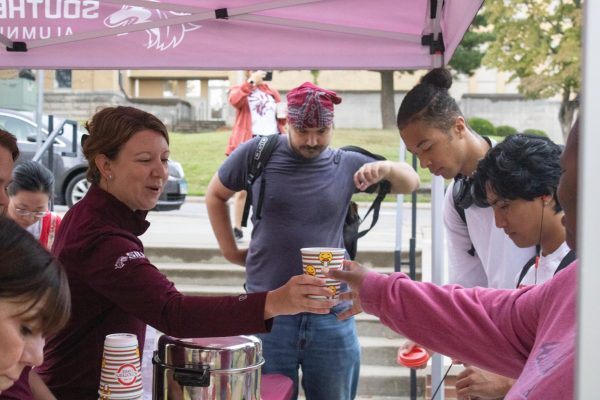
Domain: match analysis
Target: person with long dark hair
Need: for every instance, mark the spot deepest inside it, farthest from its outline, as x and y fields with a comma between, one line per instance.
x=34, y=301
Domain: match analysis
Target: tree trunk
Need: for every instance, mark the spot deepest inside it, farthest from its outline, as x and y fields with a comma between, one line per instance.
x=567, y=111
x=388, y=108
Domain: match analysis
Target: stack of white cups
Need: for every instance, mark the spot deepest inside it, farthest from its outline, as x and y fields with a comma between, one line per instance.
x=121, y=375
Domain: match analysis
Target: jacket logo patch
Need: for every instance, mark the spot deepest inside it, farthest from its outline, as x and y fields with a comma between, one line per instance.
x=132, y=255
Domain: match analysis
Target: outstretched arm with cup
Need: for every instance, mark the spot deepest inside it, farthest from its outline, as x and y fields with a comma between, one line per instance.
x=217, y=196
x=441, y=317
x=402, y=177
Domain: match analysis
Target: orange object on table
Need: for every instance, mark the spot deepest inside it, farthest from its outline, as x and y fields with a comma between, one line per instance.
x=415, y=358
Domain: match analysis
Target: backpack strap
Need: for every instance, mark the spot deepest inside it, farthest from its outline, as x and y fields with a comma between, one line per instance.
x=460, y=210
x=384, y=188
x=256, y=164
x=54, y=221
x=525, y=269
x=566, y=261
x=461, y=214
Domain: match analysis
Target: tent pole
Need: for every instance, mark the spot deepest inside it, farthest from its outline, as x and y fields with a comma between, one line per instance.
x=39, y=110
x=399, y=217
x=437, y=200
x=588, y=351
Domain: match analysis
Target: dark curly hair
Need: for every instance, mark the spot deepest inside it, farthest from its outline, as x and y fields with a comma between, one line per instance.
x=430, y=101
x=520, y=167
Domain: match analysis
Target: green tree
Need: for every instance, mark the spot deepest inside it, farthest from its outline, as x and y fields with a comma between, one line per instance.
x=466, y=59
x=315, y=76
x=469, y=53
x=539, y=43
x=388, y=105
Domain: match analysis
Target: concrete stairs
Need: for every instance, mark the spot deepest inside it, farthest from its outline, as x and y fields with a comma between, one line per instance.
x=197, y=126
x=204, y=272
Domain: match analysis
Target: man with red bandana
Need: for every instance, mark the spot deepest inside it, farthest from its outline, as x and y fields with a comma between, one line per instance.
x=305, y=202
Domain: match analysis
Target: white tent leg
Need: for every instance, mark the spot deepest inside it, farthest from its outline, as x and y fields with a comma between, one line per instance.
x=437, y=266
x=588, y=351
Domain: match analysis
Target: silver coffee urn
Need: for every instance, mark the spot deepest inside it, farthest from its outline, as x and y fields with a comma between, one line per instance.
x=218, y=368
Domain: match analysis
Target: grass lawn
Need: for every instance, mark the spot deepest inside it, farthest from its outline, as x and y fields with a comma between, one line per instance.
x=201, y=154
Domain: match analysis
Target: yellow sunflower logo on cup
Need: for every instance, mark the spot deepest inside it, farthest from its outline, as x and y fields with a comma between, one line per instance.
x=332, y=289
x=325, y=257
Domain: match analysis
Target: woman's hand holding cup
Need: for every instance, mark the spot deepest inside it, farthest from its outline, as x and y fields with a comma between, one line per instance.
x=293, y=297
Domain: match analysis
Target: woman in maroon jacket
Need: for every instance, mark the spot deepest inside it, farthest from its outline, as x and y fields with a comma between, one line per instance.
x=114, y=286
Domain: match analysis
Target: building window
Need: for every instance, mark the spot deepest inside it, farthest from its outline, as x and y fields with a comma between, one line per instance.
x=170, y=88
x=217, y=97
x=192, y=88
x=62, y=79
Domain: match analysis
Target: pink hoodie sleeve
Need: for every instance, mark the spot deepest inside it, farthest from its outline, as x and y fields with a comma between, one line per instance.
x=492, y=328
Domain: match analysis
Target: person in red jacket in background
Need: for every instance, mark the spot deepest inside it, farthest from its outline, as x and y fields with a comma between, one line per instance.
x=256, y=105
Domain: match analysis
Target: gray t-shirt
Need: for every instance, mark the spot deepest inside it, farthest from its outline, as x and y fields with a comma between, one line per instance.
x=304, y=205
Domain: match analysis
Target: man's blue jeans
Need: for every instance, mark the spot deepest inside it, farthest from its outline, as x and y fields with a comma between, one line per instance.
x=327, y=350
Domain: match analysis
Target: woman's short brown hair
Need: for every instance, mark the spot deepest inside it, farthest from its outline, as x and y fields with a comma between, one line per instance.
x=30, y=275
x=110, y=128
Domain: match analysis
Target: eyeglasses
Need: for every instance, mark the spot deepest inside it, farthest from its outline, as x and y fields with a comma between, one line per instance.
x=27, y=213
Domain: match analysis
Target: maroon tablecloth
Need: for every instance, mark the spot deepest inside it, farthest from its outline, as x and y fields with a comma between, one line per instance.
x=275, y=387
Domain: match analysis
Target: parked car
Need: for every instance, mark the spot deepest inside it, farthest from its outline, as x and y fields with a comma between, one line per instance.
x=69, y=165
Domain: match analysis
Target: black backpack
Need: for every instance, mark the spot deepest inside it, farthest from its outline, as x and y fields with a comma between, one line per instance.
x=256, y=164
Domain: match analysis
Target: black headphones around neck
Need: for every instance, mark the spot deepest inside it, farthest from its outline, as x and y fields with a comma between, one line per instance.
x=462, y=190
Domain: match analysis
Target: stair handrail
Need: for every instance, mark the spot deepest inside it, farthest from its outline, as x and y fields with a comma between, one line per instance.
x=53, y=134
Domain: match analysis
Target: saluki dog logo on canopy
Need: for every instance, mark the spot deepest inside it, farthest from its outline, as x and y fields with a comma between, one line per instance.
x=160, y=38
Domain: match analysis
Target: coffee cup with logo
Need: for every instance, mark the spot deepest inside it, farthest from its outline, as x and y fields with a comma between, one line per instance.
x=314, y=259
x=120, y=375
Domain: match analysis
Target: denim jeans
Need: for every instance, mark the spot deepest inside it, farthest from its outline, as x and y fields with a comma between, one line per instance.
x=326, y=349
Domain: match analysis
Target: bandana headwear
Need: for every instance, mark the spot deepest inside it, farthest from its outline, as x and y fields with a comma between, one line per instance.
x=310, y=106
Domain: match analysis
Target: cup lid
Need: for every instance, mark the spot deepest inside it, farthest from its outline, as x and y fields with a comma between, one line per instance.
x=416, y=357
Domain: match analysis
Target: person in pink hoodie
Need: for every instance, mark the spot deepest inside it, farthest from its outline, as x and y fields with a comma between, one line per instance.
x=528, y=334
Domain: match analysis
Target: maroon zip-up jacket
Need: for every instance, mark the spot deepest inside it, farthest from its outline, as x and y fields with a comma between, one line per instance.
x=116, y=289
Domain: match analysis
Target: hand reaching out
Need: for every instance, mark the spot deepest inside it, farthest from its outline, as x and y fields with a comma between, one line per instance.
x=475, y=383
x=353, y=274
